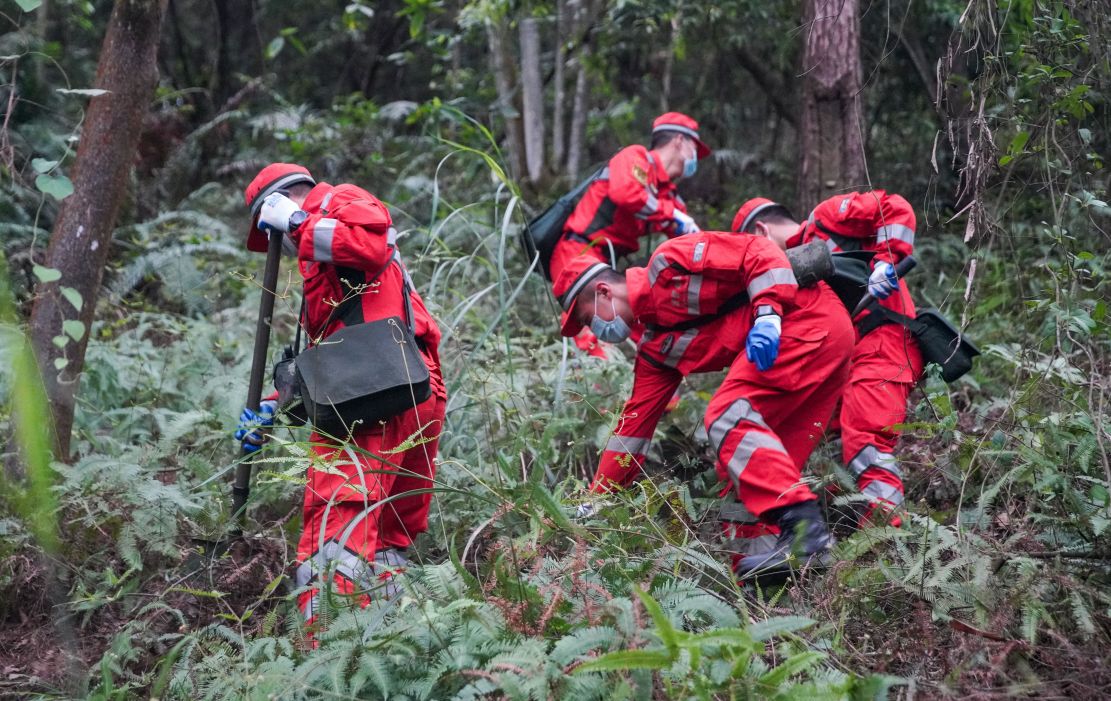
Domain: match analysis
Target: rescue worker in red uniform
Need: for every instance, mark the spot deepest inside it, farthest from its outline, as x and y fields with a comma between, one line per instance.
x=886, y=361
x=634, y=197
x=346, y=244
x=702, y=299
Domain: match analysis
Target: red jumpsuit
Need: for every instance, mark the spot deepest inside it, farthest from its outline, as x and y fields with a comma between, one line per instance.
x=762, y=425
x=349, y=234
x=886, y=362
x=634, y=197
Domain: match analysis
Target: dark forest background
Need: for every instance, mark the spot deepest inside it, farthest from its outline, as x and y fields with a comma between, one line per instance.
x=128, y=130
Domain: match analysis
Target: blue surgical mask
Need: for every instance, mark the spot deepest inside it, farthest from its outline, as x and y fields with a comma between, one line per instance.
x=612, y=331
x=690, y=166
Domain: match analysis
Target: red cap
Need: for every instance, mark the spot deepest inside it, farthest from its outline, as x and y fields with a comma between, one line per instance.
x=274, y=177
x=571, y=281
x=749, y=210
x=677, y=121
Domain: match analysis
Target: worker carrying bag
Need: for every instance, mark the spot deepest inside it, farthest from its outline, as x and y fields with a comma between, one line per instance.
x=939, y=340
x=364, y=372
x=541, y=235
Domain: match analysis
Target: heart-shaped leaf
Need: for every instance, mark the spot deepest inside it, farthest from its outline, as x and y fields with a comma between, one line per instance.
x=57, y=186
x=46, y=274
x=41, y=165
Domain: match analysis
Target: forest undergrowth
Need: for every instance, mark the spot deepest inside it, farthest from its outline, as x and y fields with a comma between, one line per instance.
x=997, y=584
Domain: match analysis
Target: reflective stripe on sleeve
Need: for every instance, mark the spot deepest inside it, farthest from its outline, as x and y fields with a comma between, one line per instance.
x=322, y=235
x=771, y=278
x=391, y=236
x=657, y=266
x=628, y=444
x=870, y=456
x=895, y=232
x=694, y=291
x=650, y=207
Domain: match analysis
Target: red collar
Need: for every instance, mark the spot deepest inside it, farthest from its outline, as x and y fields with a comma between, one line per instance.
x=316, y=197
x=640, y=294
x=662, y=178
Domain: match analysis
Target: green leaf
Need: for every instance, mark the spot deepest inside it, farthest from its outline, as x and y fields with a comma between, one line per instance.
x=60, y=341
x=548, y=503
x=772, y=627
x=73, y=297
x=74, y=329
x=1018, y=144
x=57, y=186
x=87, y=92
x=60, y=363
x=45, y=274
x=41, y=165
x=791, y=666
x=663, y=626
x=28, y=5
x=274, y=47
x=627, y=659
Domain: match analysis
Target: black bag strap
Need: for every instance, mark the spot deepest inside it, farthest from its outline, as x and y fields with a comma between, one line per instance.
x=729, y=306
x=880, y=316
x=346, y=309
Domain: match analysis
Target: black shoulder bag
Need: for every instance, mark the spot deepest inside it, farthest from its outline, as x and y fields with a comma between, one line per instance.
x=362, y=373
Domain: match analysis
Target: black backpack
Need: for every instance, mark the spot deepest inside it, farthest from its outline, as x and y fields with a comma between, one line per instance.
x=541, y=235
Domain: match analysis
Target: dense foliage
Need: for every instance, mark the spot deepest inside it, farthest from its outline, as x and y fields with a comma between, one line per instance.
x=997, y=584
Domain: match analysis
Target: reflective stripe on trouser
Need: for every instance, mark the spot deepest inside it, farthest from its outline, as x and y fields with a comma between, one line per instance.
x=742, y=534
x=355, y=506
x=886, y=366
x=764, y=425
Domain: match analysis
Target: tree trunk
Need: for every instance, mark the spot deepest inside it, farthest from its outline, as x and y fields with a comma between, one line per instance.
x=559, y=129
x=239, y=51
x=532, y=91
x=831, y=145
x=503, y=81
x=576, y=141
x=79, y=244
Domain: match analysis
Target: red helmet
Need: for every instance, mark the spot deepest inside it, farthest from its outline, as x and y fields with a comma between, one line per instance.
x=572, y=280
x=749, y=210
x=677, y=121
x=274, y=177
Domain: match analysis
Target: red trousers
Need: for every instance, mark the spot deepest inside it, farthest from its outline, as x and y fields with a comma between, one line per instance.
x=886, y=365
x=764, y=425
x=348, y=511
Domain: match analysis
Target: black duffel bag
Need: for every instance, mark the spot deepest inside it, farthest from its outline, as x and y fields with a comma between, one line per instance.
x=362, y=373
x=543, y=232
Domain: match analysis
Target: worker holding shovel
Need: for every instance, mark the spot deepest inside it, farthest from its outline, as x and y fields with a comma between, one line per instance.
x=368, y=486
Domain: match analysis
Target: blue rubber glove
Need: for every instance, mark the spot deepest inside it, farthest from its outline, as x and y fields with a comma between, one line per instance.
x=762, y=344
x=684, y=224
x=883, y=281
x=247, y=432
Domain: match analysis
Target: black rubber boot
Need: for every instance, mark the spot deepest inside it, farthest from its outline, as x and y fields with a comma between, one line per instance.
x=803, y=539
